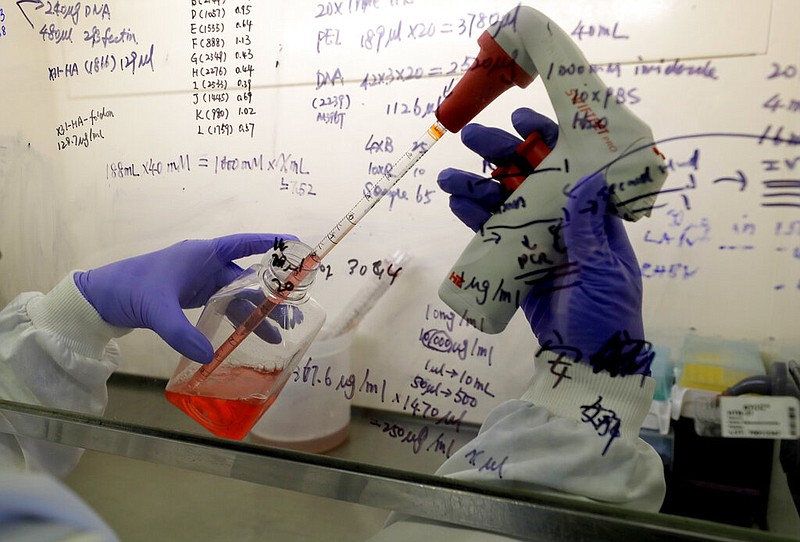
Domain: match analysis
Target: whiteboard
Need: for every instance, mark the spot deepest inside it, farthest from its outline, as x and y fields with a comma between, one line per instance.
x=130, y=125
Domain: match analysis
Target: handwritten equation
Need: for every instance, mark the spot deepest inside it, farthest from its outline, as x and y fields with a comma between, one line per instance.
x=433, y=435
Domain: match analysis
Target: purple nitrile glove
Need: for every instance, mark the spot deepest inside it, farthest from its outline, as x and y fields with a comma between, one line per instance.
x=593, y=315
x=475, y=198
x=150, y=291
x=287, y=316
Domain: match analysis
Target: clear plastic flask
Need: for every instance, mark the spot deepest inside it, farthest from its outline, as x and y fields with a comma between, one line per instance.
x=229, y=400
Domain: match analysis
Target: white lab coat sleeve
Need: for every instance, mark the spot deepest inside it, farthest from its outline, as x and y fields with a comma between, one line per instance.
x=36, y=507
x=574, y=432
x=55, y=351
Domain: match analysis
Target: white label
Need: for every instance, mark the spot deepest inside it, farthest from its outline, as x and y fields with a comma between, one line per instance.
x=760, y=417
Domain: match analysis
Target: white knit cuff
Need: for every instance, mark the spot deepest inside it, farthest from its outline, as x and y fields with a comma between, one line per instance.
x=574, y=391
x=66, y=314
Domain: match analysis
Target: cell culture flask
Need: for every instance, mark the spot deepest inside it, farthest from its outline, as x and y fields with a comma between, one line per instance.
x=232, y=397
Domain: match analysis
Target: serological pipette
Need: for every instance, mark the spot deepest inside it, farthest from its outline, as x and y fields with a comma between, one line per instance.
x=363, y=206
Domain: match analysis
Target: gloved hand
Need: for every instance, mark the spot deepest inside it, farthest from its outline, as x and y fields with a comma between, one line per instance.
x=287, y=316
x=594, y=315
x=150, y=291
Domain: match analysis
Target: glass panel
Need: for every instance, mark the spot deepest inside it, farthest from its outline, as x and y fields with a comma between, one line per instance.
x=140, y=424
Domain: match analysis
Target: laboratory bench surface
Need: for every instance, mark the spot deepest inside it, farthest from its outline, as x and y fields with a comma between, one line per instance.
x=153, y=473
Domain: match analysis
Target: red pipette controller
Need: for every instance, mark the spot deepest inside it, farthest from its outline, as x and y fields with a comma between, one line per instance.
x=493, y=72
x=527, y=157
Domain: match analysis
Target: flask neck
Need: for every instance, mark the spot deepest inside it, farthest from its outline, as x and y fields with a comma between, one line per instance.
x=289, y=271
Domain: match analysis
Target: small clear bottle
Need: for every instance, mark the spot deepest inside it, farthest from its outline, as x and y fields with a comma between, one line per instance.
x=229, y=400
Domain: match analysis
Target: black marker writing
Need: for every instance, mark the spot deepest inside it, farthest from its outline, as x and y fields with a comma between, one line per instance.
x=605, y=421
x=623, y=355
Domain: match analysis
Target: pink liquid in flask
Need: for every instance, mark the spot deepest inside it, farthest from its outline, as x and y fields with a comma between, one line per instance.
x=236, y=403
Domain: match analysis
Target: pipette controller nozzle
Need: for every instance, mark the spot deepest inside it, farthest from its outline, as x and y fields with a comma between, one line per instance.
x=493, y=72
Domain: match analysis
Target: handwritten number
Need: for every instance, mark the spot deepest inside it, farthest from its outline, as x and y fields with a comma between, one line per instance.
x=786, y=72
